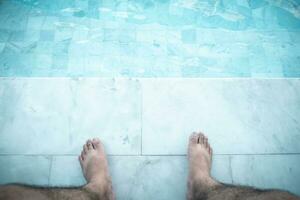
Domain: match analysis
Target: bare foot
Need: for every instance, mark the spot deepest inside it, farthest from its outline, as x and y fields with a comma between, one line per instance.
x=95, y=168
x=200, y=157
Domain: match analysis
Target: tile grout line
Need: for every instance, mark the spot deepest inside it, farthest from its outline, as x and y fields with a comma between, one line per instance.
x=162, y=155
x=141, y=119
x=208, y=78
x=50, y=169
x=230, y=169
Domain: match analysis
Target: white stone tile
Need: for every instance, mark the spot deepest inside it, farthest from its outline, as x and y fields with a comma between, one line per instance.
x=149, y=177
x=57, y=115
x=109, y=109
x=34, y=115
x=66, y=171
x=221, y=170
x=267, y=171
x=33, y=170
x=238, y=115
x=139, y=177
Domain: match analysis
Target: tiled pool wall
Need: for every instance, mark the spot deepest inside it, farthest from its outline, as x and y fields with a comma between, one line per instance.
x=187, y=38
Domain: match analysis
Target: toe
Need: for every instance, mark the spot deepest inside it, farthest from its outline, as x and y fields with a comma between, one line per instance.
x=85, y=149
x=80, y=159
x=210, y=151
x=201, y=138
x=82, y=155
x=194, y=138
x=205, y=140
x=89, y=145
x=96, y=143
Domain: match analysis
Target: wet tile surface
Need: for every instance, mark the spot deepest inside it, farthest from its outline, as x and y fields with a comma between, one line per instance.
x=234, y=113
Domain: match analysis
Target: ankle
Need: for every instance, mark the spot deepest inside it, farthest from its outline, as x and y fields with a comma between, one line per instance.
x=203, y=179
x=101, y=190
x=93, y=187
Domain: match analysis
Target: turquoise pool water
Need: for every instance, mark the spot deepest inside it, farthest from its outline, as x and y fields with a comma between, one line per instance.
x=184, y=38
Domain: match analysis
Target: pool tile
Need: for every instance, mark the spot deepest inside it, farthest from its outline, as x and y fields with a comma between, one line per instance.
x=59, y=62
x=44, y=61
x=35, y=22
x=44, y=47
x=46, y=35
x=2, y=45
x=50, y=22
x=31, y=36
x=69, y=116
x=76, y=65
x=267, y=171
x=32, y=170
x=93, y=64
x=290, y=69
x=188, y=36
x=81, y=35
x=17, y=36
x=64, y=33
x=4, y=35
x=234, y=113
x=127, y=36
x=205, y=45
x=110, y=35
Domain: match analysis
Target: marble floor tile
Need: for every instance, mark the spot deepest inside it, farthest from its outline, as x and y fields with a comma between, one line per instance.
x=33, y=170
x=134, y=177
x=267, y=171
x=66, y=171
x=144, y=177
x=66, y=112
x=244, y=116
x=139, y=177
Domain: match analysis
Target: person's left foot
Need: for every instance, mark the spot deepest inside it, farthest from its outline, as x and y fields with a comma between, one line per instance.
x=95, y=168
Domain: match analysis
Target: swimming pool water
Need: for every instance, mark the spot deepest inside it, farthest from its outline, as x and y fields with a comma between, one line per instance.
x=183, y=38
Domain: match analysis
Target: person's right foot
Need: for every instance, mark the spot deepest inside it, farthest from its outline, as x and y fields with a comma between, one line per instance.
x=95, y=169
x=200, y=157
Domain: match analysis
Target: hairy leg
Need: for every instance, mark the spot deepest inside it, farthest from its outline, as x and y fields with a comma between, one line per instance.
x=200, y=181
x=201, y=186
x=95, y=169
x=24, y=192
x=229, y=192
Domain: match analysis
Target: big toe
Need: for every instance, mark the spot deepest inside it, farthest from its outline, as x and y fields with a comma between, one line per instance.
x=88, y=145
x=97, y=144
x=193, y=139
